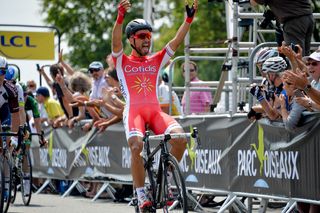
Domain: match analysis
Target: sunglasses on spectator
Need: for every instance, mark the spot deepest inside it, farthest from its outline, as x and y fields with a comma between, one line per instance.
x=142, y=36
x=191, y=70
x=314, y=63
x=31, y=85
x=3, y=71
x=288, y=83
x=92, y=70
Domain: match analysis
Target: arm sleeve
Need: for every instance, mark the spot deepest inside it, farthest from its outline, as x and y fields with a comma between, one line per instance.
x=34, y=107
x=13, y=97
x=294, y=117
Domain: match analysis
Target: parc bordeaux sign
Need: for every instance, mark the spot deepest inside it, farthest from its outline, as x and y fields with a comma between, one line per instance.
x=234, y=155
x=27, y=45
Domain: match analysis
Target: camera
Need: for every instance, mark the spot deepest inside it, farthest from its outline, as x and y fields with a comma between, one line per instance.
x=268, y=17
x=294, y=48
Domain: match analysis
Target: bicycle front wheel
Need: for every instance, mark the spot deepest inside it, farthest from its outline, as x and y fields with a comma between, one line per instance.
x=26, y=179
x=173, y=187
x=8, y=183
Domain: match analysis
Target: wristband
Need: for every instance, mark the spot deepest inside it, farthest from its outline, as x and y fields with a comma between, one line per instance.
x=190, y=13
x=189, y=20
x=121, y=13
x=307, y=88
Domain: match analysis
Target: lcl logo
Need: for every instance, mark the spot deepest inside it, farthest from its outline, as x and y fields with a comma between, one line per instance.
x=16, y=41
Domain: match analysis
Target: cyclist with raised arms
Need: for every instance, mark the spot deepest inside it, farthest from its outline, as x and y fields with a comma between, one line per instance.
x=138, y=78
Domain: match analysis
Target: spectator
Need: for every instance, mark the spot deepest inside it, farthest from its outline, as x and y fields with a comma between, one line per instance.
x=52, y=107
x=200, y=101
x=300, y=81
x=290, y=110
x=260, y=58
x=273, y=67
x=164, y=97
x=96, y=71
x=296, y=18
x=80, y=84
x=56, y=69
x=32, y=87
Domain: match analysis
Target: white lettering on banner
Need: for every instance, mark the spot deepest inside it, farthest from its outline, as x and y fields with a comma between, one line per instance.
x=183, y=163
x=99, y=155
x=44, y=157
x=80, y=161
x=246, y=163
x=277, y=164
x=208, y=161
x=126, y=157
x=59, y=158
x=129, y=68
x=281, y=165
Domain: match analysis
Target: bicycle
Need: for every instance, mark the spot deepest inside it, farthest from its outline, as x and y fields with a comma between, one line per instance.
x=22, y=166
x=6, y=168
x=171, y=197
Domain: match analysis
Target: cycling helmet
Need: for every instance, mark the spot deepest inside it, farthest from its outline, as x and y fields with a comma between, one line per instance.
x=275, y=64
x=136, y=25
x=3, y=62
x=12, y=73
x=265, y=54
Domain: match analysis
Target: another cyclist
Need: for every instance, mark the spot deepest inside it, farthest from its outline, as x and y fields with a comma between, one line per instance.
x=9, y=106
x=138, y=78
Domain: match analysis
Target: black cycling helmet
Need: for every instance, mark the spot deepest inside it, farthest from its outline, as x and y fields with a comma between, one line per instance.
x=136, y=25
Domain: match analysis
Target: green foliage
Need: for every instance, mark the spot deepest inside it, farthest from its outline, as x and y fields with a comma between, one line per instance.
x=87, y=27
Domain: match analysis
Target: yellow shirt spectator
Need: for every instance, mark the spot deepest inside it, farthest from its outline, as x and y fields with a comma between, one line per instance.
x=53, y=108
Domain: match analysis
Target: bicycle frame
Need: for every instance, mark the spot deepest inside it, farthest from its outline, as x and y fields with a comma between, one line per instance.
x=157, y=184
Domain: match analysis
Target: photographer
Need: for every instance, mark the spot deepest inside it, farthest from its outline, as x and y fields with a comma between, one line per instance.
x=296, y=19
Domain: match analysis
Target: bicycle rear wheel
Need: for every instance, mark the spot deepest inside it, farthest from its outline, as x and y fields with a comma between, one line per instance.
x=173, y=192
x=26, y=179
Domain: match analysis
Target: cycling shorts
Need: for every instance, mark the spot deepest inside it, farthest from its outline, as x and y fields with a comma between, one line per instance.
x=137, y=117
x=5, y=115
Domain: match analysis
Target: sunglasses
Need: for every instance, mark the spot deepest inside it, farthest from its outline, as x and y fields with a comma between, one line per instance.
x=191, y=70
x=3, y=71
x=142, y=36
x=314, y=63
x=94, y=70
x=31, y=85
x=288, y=83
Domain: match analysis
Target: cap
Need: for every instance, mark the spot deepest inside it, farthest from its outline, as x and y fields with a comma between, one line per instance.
x=315, y=55
x=96, y=65
x=43, y=91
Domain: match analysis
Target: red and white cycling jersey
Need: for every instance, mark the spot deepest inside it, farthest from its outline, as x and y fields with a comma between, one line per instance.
x=138, y=78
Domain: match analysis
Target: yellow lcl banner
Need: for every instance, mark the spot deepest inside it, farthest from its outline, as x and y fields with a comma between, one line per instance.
x=27, y=45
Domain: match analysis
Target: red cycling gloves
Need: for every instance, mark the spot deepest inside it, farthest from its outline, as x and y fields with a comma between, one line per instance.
x=121, y=13
x=190, y=13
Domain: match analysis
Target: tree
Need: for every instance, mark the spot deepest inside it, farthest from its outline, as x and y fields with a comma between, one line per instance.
x=87, y=27
x=208, y=28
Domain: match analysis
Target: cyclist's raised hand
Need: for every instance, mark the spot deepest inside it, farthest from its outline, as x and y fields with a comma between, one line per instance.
x=123, y=7
x=191, y=7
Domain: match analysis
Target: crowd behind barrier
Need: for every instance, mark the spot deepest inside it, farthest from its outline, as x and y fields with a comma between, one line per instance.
x=260, y=158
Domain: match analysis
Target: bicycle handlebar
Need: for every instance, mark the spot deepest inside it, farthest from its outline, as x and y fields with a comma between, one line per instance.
x=194, y=134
